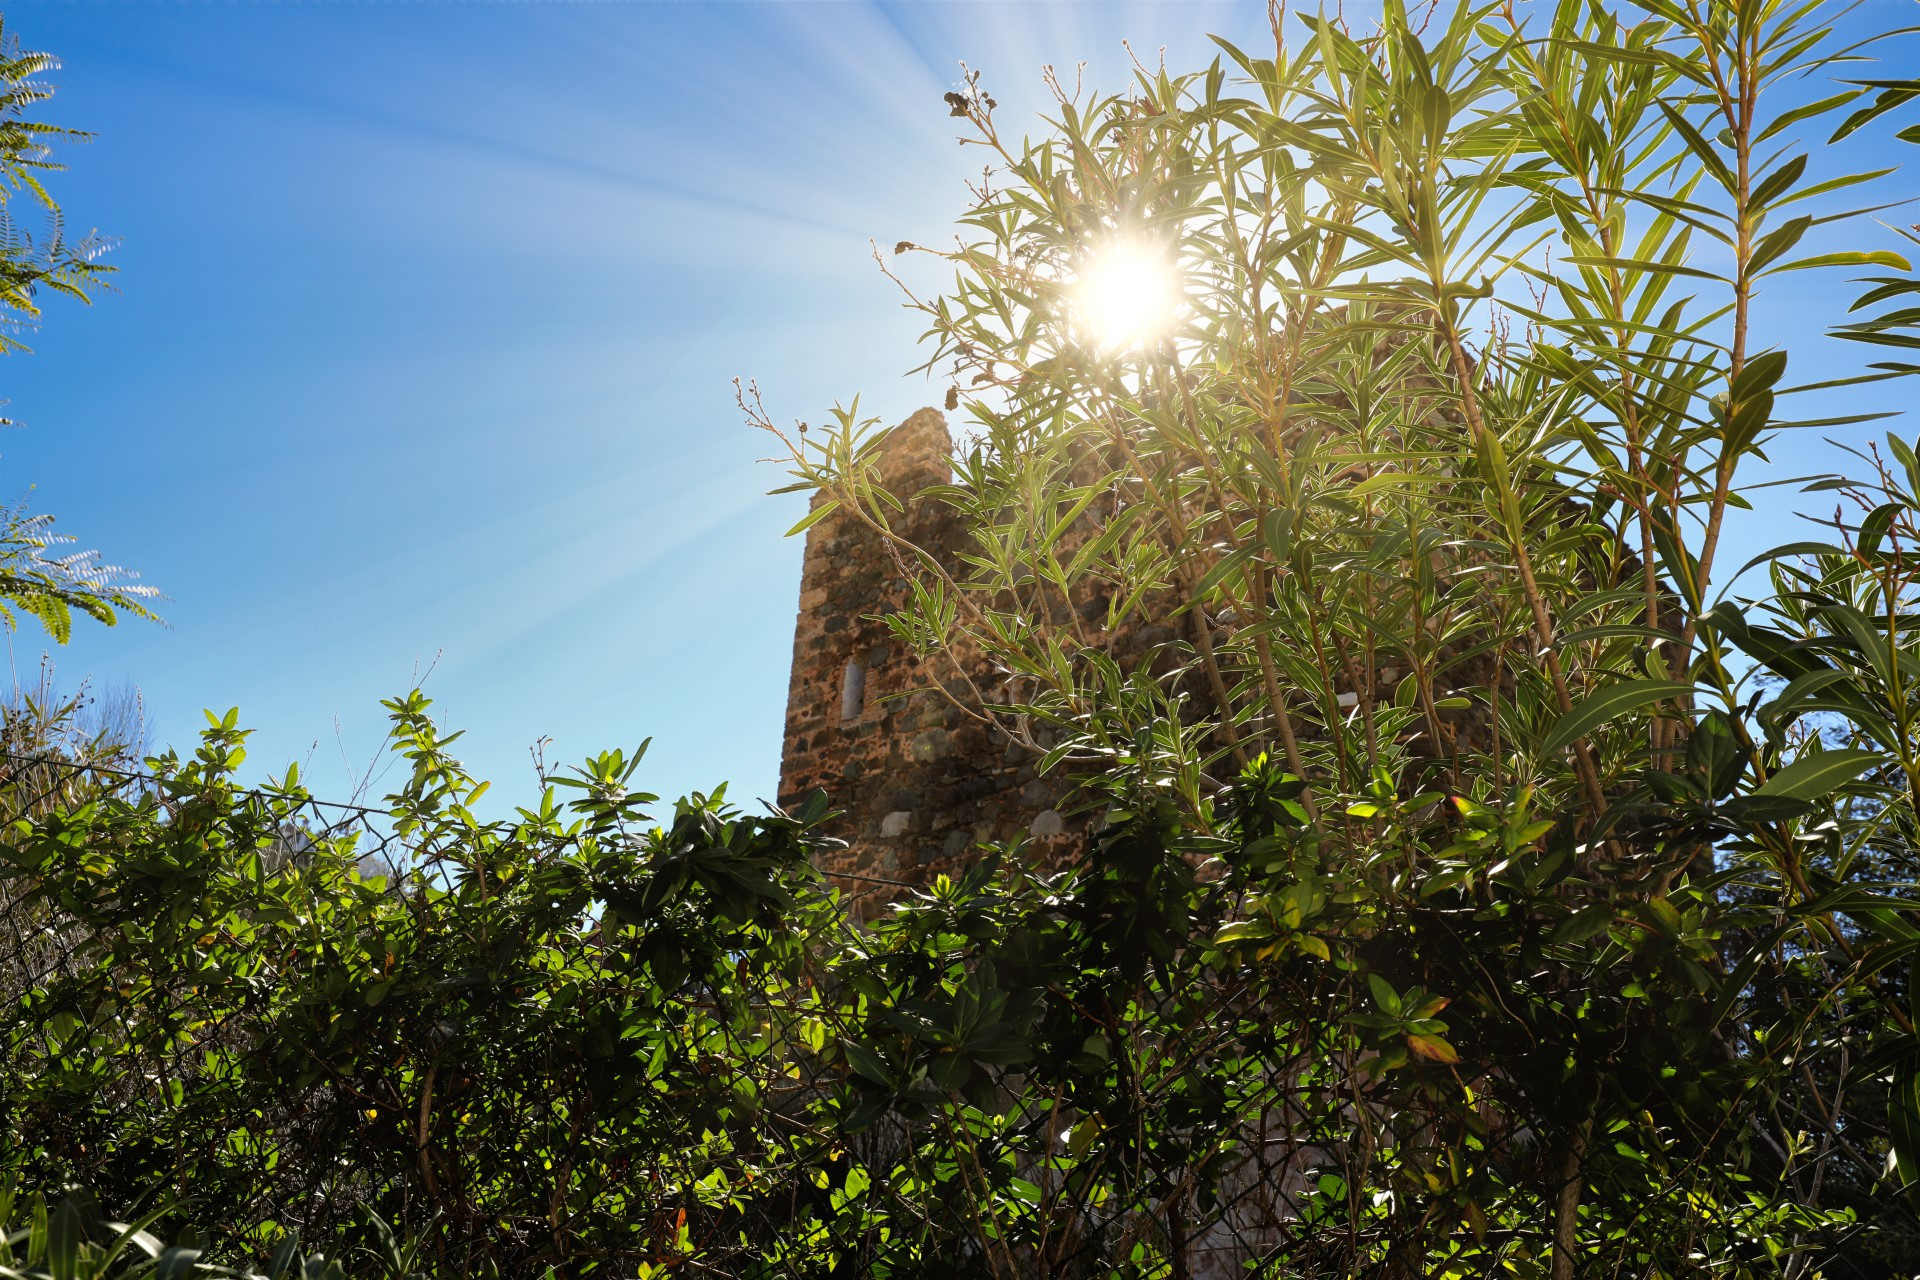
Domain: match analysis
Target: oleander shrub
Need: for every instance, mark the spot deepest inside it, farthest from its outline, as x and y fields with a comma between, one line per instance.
x=1532, y=893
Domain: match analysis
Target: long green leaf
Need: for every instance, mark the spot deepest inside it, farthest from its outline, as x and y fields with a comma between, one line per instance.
x=1903, y=1124
x=1869, y=258
x=1792, y=549
x=1813, y=776
x=1597, y=709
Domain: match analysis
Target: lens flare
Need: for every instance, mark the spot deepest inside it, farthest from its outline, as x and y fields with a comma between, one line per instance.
x=1128, y=295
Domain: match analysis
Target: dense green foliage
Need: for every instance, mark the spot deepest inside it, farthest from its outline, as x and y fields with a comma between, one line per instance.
x=580, y=1040
x=72, y=1239
x=229, y=1010
x=1477, y=887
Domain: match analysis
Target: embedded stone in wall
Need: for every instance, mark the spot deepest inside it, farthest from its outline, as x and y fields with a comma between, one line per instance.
x=853, y=689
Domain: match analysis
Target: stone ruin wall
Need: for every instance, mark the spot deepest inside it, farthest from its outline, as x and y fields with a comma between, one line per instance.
x=919, y=783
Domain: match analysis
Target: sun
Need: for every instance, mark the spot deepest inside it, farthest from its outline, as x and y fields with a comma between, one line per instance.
x=1127, y=295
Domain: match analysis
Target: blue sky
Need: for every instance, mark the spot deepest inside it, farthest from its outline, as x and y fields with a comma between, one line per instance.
x=427, y=324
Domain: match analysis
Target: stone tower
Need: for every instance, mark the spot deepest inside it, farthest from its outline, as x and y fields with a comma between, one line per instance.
x=919, y=782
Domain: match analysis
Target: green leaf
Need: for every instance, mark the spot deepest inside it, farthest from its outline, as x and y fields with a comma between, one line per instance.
x=866, y=1063
x=1218, y=574
x=176, y=1263
x=1761, y=373
x=1775, y=244
x=1805, y=112
x=1777, y=182
x=814, y=517
x=1308, y=944
x=1873, y=529
x=1619, y=53
x=1585, y=923
x=1792, y=549
x=1868, y=258
x=1903, y=1125
x=63, y=1240
x=1908, y=462
x=1243, y=931
x=1813, y=776
x=1892, y=94
x=1598, y=708
x=1675, y=556
x=1387, y=479
x=1797, y=691
x=1703, y=151
x=1276, y=530
x=1433, y=1049
x=1641, y=264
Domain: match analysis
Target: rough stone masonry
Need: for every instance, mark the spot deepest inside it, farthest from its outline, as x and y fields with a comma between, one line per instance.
x=920, y=784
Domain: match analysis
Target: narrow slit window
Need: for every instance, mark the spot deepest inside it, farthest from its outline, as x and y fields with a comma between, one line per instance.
x=853, y=689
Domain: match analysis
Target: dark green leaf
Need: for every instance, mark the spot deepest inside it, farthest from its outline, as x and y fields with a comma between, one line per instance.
x=1821, y=772
x=1608, y=704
